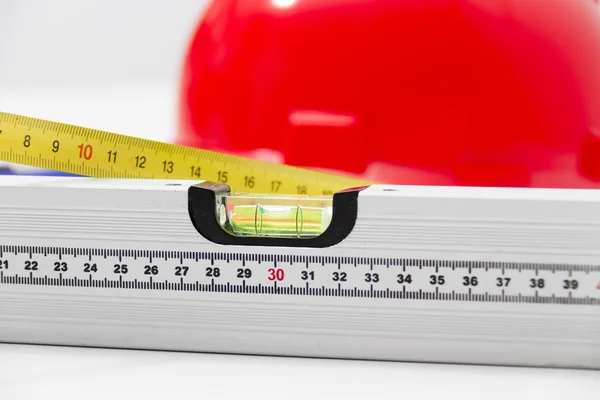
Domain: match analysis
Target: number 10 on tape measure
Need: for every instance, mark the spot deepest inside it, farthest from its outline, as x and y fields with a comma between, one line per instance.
x=433, y=274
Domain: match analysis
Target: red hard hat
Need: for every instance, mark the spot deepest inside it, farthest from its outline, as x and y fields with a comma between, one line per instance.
x=460, y=92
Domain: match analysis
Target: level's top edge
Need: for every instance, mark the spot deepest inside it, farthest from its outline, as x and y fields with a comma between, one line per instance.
x=399, y=191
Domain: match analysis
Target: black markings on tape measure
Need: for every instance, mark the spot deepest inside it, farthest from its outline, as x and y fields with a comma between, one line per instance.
x=276, y=267
x=91, y=152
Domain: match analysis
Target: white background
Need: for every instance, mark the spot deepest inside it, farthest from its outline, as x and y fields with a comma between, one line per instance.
x=114, y=65
x=109, y=64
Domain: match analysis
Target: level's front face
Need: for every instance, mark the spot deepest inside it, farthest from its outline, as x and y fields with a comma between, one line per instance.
x=492, y=276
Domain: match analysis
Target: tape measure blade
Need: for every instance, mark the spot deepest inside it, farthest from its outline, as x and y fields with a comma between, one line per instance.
x=89, y=152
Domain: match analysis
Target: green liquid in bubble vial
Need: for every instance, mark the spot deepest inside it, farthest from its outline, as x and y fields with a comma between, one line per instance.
x=293, y=217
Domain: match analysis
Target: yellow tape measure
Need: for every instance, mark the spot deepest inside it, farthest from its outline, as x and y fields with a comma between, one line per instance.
x=82, y=151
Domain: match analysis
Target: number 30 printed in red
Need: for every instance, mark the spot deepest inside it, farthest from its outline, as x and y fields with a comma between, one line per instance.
x=276, y=274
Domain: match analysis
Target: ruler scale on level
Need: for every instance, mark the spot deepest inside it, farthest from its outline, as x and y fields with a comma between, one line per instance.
x=82, y=151
x=418, y=279
x=434, y=274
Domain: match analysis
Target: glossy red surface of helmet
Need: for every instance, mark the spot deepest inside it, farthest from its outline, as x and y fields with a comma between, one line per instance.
x=460, y=92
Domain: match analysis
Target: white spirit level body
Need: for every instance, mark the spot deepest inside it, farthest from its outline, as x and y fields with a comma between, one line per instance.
x=432, y=274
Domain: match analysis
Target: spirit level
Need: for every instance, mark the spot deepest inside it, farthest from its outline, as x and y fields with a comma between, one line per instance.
x=432, y=274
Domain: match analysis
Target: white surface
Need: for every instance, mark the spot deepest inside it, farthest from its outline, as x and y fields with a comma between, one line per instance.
x=117, y=57
x=71, y=373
